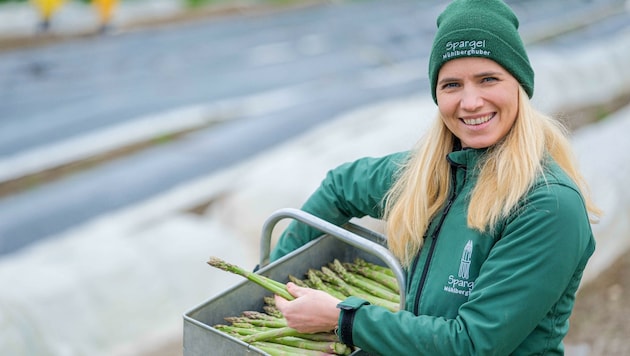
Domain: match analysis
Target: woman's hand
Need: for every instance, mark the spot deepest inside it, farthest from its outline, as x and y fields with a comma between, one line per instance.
x=312, y=310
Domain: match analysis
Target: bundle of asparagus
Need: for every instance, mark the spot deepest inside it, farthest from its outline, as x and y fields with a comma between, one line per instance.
x=268, y=330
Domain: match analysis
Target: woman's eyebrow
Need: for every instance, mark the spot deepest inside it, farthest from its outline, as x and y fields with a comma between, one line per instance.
x=488, y=74
x=478, y=75
x=448, y=80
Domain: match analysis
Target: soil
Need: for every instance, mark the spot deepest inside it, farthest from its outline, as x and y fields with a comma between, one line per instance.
x=601, y=313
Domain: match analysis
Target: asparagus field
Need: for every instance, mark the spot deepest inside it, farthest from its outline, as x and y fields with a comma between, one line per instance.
x=268, y=331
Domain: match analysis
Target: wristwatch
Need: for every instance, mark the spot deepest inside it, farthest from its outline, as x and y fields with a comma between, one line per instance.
x=346, y=318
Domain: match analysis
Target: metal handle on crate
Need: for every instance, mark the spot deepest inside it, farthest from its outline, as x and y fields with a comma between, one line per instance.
x=335, y=231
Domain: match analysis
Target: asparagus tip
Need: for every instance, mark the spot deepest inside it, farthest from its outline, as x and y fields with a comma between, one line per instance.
x=214, y=261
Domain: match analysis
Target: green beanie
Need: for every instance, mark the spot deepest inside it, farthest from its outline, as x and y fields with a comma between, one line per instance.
x=480, y=28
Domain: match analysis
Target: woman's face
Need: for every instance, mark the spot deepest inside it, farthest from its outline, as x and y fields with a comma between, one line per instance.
x=478, y=100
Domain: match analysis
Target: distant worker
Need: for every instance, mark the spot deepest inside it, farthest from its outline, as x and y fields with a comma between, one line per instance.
x=105, y=9
x=46, y=9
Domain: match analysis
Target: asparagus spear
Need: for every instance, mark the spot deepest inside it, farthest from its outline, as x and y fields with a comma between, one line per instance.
x=277, y=323
x=272, y=310
x=367, y=285
x=363, y=263
x=270, y=301
x=284, y=350
x=240, y=331
x=265, y=282
x=370, y=281
x=380, y=277
x=298, y=281
x=271, y=334
x=334, y=278
x=258, y=315
x=334, y=347
x=243, y=325
x=317, y=283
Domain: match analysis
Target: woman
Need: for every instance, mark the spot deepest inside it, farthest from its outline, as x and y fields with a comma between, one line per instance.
x=488, y=214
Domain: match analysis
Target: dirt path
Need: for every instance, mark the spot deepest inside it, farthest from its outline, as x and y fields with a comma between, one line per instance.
x=601, y=314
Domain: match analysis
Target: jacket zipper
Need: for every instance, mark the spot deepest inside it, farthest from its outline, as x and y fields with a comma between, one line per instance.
x=434, y=236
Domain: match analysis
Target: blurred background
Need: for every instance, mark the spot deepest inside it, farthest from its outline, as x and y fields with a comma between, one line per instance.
x=139, y=137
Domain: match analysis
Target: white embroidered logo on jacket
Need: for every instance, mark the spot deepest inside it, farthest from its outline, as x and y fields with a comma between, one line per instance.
x=460, y=284
x=464, y=265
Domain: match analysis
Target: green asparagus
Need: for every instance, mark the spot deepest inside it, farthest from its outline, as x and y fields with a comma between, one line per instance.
x=265, y=282
x=334, y=278
x=269, y=331
x=375, y=275
x=274, y=349
x=367, y=285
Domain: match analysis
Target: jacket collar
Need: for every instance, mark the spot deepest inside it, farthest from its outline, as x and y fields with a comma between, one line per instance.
x=465, y=157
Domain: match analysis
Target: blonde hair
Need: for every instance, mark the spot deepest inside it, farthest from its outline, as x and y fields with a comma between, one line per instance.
x=507, y=172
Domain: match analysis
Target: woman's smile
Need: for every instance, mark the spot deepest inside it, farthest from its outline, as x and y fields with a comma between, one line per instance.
x=478, y=120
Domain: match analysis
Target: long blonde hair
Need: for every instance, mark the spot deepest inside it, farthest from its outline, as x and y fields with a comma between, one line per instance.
x=506, y=173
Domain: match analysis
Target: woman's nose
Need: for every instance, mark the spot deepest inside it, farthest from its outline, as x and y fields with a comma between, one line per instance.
x=471, y=99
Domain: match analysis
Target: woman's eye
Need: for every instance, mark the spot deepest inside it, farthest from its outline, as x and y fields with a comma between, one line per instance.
x=450, y=85
x=489, y=79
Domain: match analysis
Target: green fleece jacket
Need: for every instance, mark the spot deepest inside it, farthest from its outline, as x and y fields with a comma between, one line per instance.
x=510, y=291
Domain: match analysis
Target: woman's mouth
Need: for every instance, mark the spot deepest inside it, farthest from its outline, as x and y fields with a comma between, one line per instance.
x=478, y=120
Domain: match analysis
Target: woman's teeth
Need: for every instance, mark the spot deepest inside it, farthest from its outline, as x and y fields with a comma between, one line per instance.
x=479, y=120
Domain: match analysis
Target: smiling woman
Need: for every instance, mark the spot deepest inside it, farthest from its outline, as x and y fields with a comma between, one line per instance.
x=488, y=212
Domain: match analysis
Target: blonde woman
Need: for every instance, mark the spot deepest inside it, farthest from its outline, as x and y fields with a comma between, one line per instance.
x=488, y=214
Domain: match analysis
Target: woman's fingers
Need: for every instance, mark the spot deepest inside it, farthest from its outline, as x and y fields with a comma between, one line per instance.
x=311, y=311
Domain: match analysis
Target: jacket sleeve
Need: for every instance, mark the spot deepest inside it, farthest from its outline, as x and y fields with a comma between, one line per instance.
x=540, y=256
x=354, y=189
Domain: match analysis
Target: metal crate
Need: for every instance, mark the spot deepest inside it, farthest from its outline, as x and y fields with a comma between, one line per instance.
x=345, y=244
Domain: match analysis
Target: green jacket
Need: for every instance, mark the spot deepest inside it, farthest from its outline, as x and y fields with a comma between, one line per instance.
x=468, y=293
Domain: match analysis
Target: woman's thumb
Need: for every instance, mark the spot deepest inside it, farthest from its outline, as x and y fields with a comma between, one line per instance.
x=296, y=290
